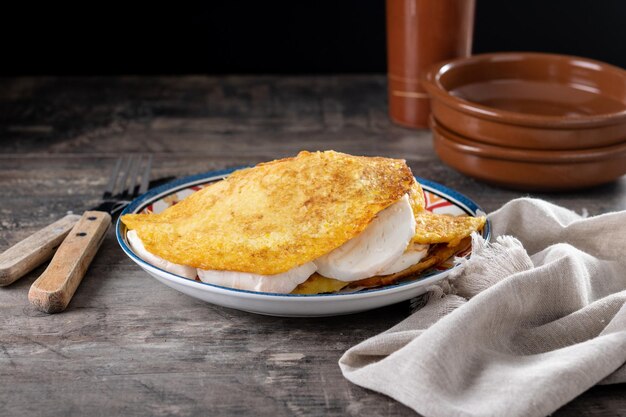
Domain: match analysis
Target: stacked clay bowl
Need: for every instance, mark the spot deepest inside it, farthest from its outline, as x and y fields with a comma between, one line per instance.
x=530, y=121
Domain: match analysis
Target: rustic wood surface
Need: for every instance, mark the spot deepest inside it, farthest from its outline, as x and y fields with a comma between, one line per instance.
x=127, y=345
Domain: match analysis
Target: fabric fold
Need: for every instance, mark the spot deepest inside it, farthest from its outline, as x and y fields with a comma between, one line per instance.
x=532, y=320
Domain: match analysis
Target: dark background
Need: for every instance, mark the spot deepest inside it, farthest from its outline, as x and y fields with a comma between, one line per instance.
x=219, y=37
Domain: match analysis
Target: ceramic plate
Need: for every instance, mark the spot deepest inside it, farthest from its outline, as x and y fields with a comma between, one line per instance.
x=439, y=199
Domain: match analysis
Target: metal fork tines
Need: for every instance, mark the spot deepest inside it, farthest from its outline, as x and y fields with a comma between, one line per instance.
x=130, y=178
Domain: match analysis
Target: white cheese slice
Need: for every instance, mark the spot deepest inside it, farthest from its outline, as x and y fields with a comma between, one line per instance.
x=280, y=283
x=137, y=245
x=375, y=249
x=410, y=257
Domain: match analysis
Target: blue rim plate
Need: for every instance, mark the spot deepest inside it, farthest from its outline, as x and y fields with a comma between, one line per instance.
x=438, y=199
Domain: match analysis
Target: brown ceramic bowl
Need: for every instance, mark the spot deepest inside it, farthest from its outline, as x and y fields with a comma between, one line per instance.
x=530, y=100
x=530, y=170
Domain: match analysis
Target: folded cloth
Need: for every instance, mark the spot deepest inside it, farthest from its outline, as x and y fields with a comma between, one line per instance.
x=514, y=334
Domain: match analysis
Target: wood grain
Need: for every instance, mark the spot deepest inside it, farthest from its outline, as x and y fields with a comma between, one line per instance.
x=53, y=290
x=36, y=249
x=127, y=345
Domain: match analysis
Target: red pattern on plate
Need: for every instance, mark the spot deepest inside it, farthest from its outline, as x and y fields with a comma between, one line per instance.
x=433, y=201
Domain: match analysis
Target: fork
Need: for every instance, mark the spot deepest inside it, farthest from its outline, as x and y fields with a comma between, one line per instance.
x=79, y=237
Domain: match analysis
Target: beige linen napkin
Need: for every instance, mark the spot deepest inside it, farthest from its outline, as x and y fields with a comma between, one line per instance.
x=513, y=334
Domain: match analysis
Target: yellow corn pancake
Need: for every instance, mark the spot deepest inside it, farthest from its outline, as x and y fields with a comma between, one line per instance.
x=318, y=284
x=416, y=197
x=441, y=228
x=278, y=215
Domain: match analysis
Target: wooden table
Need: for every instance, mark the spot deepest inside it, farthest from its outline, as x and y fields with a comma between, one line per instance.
x=130, y=346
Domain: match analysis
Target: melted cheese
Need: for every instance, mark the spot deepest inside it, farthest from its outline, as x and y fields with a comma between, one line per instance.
x=376, y=249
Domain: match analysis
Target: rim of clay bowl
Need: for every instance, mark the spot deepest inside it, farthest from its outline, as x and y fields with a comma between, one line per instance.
x=469, y=146
x=433, y=85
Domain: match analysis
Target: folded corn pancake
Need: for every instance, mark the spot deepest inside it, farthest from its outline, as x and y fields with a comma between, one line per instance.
x=358, y=221
x=442, y=228
x=318, y=284
x=277, y=215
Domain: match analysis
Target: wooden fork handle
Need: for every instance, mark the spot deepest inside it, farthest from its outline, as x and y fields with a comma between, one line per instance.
x=53, y=290
x=36, y=249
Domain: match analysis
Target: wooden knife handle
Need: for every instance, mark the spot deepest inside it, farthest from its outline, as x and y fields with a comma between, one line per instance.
x=53, y=290
x=31, y=252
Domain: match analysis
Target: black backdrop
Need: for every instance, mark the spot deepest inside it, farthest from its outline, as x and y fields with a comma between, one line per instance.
x=230, y=36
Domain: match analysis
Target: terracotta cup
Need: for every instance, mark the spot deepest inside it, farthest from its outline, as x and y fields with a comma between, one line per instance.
x=419, y=34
